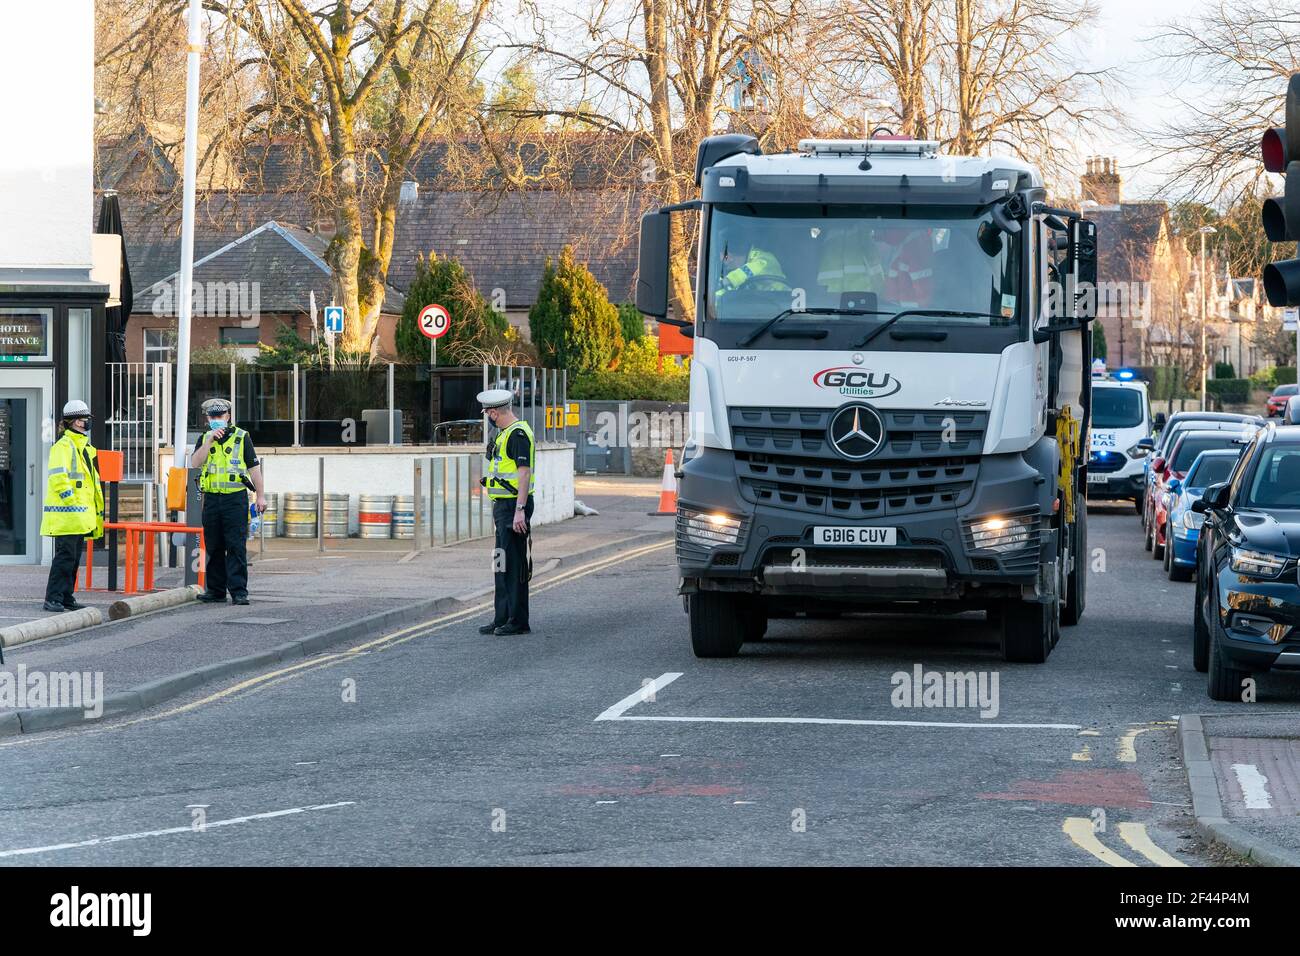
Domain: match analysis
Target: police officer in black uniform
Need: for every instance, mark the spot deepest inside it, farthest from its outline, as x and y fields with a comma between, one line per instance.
x=228, y=470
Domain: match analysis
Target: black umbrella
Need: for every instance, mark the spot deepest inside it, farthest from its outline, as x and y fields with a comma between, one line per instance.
x=115, y=318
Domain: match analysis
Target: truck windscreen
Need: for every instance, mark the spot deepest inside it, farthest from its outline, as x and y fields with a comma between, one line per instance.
x=850, y=264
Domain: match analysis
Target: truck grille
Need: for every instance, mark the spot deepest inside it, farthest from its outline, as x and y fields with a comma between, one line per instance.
x=784, y=458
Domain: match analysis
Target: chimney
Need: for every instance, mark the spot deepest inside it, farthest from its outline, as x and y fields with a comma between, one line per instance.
x=1101, y=182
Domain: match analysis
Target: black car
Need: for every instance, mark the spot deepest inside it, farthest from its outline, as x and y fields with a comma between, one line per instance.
x=1247, y=616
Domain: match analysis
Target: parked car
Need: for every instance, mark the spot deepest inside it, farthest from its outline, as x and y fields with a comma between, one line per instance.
x=1277, y=401
x=1247, y=611
x=1119, y=440
x=1185, y=449
x=1177, y=424
x=1183, y=526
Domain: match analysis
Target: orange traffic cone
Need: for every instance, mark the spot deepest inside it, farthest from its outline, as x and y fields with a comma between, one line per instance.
x=668, y=490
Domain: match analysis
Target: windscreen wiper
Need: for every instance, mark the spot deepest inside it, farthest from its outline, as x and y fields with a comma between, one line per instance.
x=816, y=310
x=936, y=313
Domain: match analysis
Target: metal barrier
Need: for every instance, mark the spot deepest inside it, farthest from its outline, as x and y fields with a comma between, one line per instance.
x=139, y=415
x=134, y=531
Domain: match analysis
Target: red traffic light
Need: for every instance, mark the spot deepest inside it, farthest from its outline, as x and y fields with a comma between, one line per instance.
x=1273, y=147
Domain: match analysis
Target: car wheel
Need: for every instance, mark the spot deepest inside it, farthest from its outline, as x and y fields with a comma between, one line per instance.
x=1148, y=536
x=1175, y=571
x=1224, y=681
x=1200, y=633
x=1157, y=549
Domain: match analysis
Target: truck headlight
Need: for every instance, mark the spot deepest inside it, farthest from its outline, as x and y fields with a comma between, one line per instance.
x=1001, y=534
x=710, y=528
x=1257, y=563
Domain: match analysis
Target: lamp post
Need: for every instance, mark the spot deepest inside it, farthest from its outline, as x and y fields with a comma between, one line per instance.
x=1203, y=232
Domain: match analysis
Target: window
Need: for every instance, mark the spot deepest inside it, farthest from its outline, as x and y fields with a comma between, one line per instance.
x=1116, y=407
x=159, y=345
x=1277, y=479
x=238, y=335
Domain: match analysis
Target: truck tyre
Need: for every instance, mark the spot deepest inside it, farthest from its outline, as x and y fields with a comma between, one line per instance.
x=755, y=620
x=1200, y=633
x=1076, y=583
x=717, y=624
x=1028, y=631
x=1224, y=680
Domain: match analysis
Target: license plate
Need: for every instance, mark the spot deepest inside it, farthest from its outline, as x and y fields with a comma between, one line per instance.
x=878, y=537
x=1096, y=479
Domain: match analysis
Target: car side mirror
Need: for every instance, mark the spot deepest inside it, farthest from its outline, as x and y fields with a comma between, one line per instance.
x=1175, y=485
x=1215, y=498
x=1148, y=443
x=1158, y=466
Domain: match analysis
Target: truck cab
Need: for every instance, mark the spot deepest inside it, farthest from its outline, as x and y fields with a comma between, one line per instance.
x=888, y=389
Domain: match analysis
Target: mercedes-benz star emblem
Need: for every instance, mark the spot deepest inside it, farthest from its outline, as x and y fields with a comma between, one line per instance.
x=856, y=431
x=857, y=358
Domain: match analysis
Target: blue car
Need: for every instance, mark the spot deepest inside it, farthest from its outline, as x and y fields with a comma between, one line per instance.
x=1209, y=468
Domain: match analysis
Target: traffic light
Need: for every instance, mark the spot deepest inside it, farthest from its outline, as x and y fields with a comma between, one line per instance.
x=1281, y=214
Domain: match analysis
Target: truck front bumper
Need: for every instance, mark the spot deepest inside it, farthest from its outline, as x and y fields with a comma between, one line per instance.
x=725, y=542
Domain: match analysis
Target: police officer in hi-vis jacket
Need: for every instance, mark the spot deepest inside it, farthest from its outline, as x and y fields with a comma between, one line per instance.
x=74, y=504
x=512, y=460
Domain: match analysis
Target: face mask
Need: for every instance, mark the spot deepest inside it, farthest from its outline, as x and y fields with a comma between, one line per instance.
x=216, y=424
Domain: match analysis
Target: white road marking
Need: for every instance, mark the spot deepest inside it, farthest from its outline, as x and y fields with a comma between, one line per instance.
x=640, y=694
x=1254, y=786
x=619, y=712
x=988, y=724
x=104, y=841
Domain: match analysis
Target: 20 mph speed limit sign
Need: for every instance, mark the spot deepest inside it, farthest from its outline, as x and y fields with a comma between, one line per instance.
x=434, y=321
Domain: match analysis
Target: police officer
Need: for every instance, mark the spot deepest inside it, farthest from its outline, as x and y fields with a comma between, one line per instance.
x=229, y=469
x=512, y=457
x=74, y=504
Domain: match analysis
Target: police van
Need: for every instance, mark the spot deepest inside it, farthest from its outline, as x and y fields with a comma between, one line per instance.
x=1119, y=440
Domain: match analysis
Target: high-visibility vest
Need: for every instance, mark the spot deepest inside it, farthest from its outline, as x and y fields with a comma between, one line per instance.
x=850, y=263
x=224, y=470
x=74, y=500
x=503, y=473
x=759, y=262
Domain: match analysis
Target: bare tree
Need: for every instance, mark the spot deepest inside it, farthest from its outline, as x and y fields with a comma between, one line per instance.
x=1236, y=58
x=360, y=84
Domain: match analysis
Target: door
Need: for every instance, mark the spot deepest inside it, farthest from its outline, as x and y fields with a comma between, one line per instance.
x=21, y=476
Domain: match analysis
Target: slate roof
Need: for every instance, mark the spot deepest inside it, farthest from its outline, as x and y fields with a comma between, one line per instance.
x=285, y=262
x=1126, y=239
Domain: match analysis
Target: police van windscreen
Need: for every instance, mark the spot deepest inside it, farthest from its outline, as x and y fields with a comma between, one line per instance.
x=1116, y=407
x=763, y=261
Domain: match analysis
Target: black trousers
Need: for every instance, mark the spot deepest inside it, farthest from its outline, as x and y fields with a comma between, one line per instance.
x=513, y=561
x=225, y=540
x=63, y=567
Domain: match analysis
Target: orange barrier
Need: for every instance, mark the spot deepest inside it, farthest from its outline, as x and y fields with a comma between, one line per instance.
x=135, y=531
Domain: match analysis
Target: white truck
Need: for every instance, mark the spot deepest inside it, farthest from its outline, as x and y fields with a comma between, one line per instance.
x=889, y=383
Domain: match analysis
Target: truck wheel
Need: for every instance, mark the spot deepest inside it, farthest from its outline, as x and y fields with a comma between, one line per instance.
x=1224, y=680
x=717, y=624
x=1028, y=631
x=755, y=620
x=1200, y=633
x=1076, y=583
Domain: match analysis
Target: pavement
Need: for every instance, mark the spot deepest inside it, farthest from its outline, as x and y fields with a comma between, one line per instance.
x=296, y=592
x=600, y=739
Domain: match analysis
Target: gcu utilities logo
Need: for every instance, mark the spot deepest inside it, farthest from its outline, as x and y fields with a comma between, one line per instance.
x=134, y=910
x=859, y=382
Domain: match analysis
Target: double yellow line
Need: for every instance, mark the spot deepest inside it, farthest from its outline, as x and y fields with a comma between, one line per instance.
x=424, y=628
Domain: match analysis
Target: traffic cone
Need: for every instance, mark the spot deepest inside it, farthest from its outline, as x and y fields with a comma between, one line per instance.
x=668, y=490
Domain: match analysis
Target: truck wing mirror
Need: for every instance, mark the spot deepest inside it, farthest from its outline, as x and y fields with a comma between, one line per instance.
x=652, y=266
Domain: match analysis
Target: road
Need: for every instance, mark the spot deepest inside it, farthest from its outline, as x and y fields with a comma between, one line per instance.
x=438, y=745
